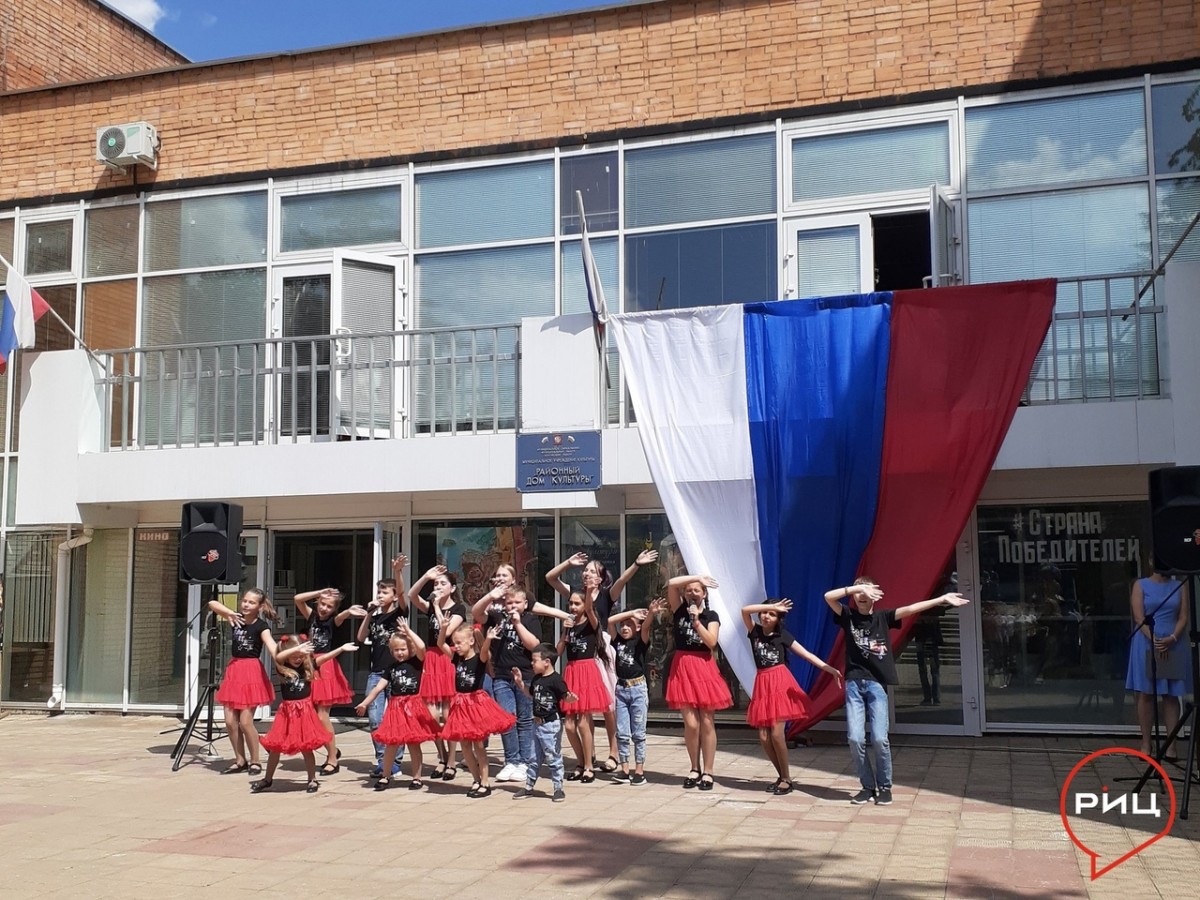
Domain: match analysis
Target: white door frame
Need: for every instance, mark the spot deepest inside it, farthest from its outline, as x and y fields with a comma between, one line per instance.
x=790, y=234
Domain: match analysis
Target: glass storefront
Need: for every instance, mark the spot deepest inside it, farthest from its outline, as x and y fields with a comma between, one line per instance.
x=1054, y=605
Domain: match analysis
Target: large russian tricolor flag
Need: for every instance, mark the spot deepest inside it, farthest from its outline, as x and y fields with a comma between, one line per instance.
x=20, y=308
x=799, y=443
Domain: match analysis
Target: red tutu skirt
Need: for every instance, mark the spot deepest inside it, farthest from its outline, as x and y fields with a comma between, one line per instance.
x=474, y=716
x=406, y=720
x=296, y=728
x=584, y=680
x=245, y=684
x=777, y=698
x=696, y=682
x=437, y=678
x=331, y=687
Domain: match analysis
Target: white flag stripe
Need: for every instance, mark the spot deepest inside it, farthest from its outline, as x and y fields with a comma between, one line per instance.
x=20, y=294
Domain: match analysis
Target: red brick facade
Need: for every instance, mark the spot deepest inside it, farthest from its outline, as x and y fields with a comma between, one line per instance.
x=55, y=41
x=654, y=65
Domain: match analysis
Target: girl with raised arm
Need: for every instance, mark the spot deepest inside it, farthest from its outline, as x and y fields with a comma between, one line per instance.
x=443, y=611
x=583, y=679
x=777, y=697
x=696, y=687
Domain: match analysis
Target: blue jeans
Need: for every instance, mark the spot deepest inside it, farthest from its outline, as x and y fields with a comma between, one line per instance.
x=632, y=704
x=375, y=716
x=867, y=700
x=518, y=740
x=547, y=748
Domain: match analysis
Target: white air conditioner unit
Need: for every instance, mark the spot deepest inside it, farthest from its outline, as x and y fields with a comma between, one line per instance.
x=119, y=146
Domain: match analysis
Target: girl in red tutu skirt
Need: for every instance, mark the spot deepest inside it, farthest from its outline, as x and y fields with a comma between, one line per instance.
x=297, y=727
x=580, y=641
x=444, y=611
x=696, y=687
x=473, y=714
x=246, y=684
x=407, y=721
x=777, y=697
x=331, y=688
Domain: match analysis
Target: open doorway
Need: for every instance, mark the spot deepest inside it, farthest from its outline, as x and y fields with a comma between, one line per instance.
x=307, y=561
x=902, y=251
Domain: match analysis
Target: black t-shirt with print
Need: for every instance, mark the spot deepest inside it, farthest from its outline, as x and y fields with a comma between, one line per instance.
x=320, y=632
x=603, y=605
x=868, y=645
x=631, y=657
x=507, y=650
x=295, y=688
x=247, y=639
x=769, y=649
x=380, y=627
x=404, y=678
x=448, y=613
x=581, y=641
x=686, y=636
x=547, y=692
x=468, y=673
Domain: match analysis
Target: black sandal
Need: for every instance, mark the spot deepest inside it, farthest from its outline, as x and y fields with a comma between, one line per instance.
x=774, y=787
x=609, y=765
x=474, y=788
x=449, y=774
x=781, y=790
x=706, y=785
x=330, y=769
x=690, y=782
x=254, y=769
x=481, y=793
x=439, y=771
x=383, y=783
x=235, y=769
x=312, y=788
x=577, y=775
x=257, y=787
x=587, y=777
x=416, y=784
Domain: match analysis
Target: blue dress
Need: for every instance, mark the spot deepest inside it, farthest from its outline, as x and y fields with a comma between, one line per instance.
x=1166, y=616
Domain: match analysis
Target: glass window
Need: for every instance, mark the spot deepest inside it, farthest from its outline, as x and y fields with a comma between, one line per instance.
x=340, y=219
x=828, y=262
x=206, y=231
x=474, y=206
x=484, y=287
x=870, y=162
x=1054, y=601
x=204, y=307
x=599, y=537
x=1045, y=142
x=158, y=640
x=29, y=572
x=1062, y=234
x=110, y=237
x=574, y=287
x=48, y=247
x=110, y=314
x=1176, y=112
x=594, y=176
x=96, y=626
x=700, y=267
x=1178, y=202
x=702, y=180
x=472, y=549
x=7, y=230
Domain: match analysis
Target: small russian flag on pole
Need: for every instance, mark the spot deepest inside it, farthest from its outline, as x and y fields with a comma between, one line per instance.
x=22, y=308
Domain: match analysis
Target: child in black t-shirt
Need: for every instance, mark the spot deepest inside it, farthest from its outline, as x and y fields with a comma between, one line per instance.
x=630, y=634
x=777, y=697
x=297, y=727
x=377, y=629
x=548, y=693
x=407, y=722
x=870, y=667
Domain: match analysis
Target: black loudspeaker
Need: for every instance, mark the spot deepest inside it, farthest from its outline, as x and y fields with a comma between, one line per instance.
x=210, y=543
x=1175, y=518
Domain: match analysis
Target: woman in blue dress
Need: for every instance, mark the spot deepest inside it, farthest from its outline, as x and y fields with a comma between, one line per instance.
x=1165, y=600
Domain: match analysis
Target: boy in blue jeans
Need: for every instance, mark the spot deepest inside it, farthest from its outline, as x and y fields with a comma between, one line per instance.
x=548, y=692
x=870, y=668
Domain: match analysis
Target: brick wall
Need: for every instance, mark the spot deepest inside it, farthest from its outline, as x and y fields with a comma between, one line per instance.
x=655, y=65
x=54, y=41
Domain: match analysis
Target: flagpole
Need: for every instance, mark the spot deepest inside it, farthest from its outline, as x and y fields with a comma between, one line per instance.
x=69, y=330
x=595, y=292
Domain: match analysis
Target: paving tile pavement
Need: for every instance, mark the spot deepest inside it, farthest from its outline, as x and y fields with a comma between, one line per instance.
x=89, y=807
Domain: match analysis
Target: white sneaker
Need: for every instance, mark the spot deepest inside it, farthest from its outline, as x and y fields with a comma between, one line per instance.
x=508, y=773
x=520, y=772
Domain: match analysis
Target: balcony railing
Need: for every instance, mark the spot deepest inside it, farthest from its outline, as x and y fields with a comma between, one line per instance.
x=317, y=388
x=1104, y=343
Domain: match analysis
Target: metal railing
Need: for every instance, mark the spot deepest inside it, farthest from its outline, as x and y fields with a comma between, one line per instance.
x=1105, y=342
x=380, y=386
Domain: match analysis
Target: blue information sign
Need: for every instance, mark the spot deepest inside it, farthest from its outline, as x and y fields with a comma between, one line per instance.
x=560, y=461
